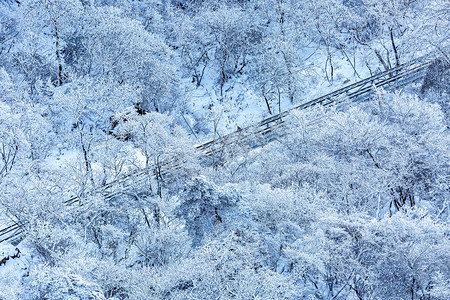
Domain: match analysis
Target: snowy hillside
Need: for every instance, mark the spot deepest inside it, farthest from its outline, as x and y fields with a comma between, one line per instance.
x=149, y=149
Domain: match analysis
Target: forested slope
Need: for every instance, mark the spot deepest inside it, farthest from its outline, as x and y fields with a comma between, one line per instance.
x=346, y=201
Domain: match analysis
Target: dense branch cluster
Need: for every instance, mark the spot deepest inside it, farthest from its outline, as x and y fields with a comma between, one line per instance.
x=105, y=100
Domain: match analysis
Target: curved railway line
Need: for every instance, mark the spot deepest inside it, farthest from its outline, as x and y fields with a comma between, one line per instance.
x=360, y=91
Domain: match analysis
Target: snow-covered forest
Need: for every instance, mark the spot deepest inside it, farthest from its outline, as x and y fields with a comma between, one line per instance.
x=108, y=190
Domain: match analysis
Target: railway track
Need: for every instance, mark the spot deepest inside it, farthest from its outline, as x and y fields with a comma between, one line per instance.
x=360, y=91
x=356, y=92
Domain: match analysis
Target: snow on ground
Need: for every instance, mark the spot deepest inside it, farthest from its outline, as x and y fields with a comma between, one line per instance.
x=63, y=158
x=15, y=264
x=239, y=106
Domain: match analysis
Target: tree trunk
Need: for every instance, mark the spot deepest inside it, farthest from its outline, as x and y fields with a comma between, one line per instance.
x=382, y=61
x=85, y=149
x=223, y=77
x=267, y=103
x=394, y=47
x=290, y=85
x=58, y=55
x=158, y=176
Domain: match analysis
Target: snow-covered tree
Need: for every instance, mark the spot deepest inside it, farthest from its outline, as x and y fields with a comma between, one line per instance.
x=225, y=268
x=13, y=143
x=119, y=49
x=204, y=207
x=53, y=20
x=165, y=147
x=59, y=283
x=343, y=202
x=406, y=254
x=224, y=36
